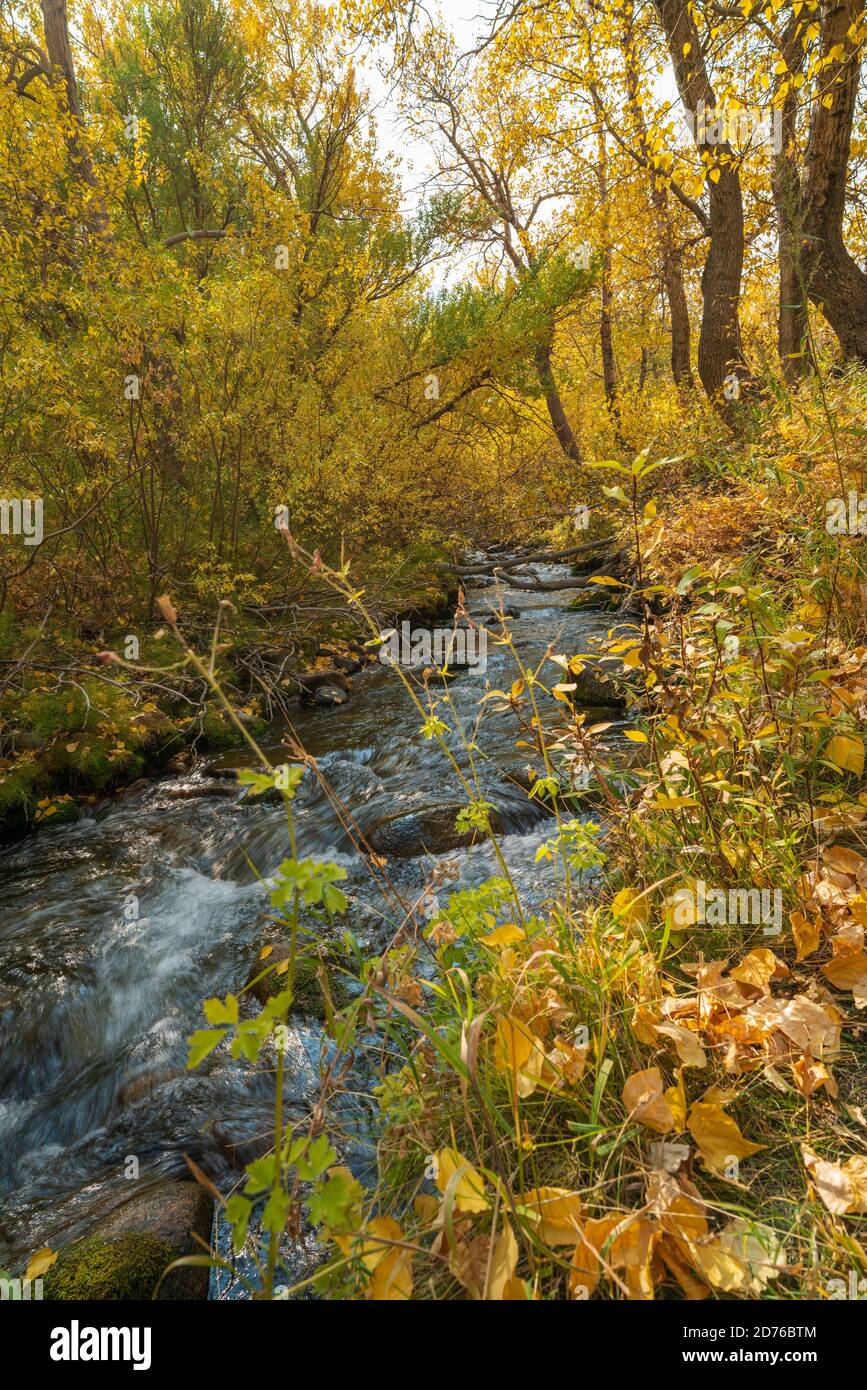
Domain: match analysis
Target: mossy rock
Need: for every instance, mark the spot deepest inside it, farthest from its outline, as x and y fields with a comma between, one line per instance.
x=307, y=989
x=109, y=1270
x=127, y=1253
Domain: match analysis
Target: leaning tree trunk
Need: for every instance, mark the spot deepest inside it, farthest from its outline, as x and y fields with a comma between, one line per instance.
x=720, y=352
x=559, y=420
x=60, y=57
x=835, y=283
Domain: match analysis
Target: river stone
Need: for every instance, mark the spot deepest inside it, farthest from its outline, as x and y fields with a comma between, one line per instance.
x=429, y=830
x=330, y=695
x=142, y=1085
x=307, y=990
x=592, y=688
x=195, y=790
x=123, y=1258
x=239, y=1147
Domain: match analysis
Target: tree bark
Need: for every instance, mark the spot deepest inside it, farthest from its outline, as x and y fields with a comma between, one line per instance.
x=59, y=50
x=720, y=350
x=606, y=331
x=559, y=420
x=835, y=283
x=670, y=253
x=792, y=326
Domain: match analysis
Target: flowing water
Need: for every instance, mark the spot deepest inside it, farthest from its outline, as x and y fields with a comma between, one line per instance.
x=113, y=930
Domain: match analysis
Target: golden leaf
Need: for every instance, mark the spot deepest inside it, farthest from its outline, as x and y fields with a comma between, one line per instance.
x=505, y=935
x=518, y=1053
x=467, y=1183
x=806, y=935
x=757, y=969
x=847, y=753
x=556, y=1212
x=719, y=1266
x=717, y=1135
x=390, y=1265
x=848, y=970
x=39, y=1263
x=687, y=1045
x=645, y=1102
x=842, y=1187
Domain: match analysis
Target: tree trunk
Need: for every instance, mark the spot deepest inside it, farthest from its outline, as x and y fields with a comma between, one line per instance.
x=606, y=334
x=672, y=274
x=792, y=335
x=670, y=253
x=559, y=421
x=59, y=50
x=835, y=283
x=720, y=352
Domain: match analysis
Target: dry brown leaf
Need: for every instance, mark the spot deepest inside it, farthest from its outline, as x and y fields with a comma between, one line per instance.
x=848, y=970
x=756, y=970
x=645, y=1102
x=758, y=1247
x=722, y=1269
x=484, y=1270
x=687, y=1045
x=842, y=1187
x=844, y=861
x=809, y=1075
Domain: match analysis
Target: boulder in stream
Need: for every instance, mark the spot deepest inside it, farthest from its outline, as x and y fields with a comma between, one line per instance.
x=429, y=830
x=329, y=695
x=124, y=1257
x=308, y=996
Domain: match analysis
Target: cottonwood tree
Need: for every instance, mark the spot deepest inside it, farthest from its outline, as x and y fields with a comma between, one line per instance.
x=483, y=135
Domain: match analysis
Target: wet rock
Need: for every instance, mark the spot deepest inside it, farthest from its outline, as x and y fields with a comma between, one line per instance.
x=593, y=688
x=430, y=830
x=224, y=772
x=329, y=695
x=124, y=1258
x=240, y=1148
x=314, y=683
x=271, y=983
x=192, y=791
x=139, y=1086
x=307, y=987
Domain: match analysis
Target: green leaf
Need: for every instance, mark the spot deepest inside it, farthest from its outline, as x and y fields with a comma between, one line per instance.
x=237, y=1212
x=203, y=1042
x=276, y=1211
x=330, y=1204
x=317, y=1155
x=221, y=1011
x=260, y=1174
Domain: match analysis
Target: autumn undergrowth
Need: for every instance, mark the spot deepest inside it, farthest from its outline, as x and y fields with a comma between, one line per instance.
x=650, y=1084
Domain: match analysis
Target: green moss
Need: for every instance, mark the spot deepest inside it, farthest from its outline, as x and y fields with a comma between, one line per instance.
x=308, y=990
x=117, y=1270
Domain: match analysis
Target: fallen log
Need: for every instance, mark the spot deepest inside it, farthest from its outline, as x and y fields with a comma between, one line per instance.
x=548, y=557
x=547, y=586
x=610, y=562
